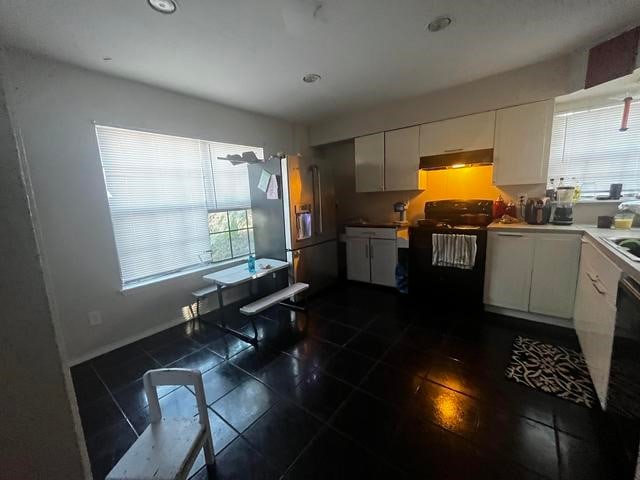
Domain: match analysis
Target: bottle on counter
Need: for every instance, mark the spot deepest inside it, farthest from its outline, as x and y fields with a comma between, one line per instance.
x=499, y=208
x=522, y=203
x=551, y=189
x=577, y=189
x=511, y=210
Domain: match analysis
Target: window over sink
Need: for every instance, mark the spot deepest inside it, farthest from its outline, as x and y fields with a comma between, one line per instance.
x=587, y=146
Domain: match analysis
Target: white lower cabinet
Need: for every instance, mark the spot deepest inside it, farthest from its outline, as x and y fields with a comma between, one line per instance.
x=556, y=260
x=384, y=257
x=532, y=272
x=508, y=270
x=358, y=259
x=595, y=314
x=372, y=260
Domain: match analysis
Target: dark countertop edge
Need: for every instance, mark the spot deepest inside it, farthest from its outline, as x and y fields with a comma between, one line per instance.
x=375, y=225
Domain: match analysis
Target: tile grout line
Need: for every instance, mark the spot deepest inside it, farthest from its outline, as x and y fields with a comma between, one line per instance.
x=557, y=439
x=326, y=425
x=114, y=400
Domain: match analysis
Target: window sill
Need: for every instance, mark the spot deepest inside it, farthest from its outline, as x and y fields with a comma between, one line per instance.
x=209, y=268
x=591, y=201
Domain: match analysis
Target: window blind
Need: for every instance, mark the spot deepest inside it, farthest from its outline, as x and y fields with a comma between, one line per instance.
x=230, y=185
x=588, y=145
x=160, y=189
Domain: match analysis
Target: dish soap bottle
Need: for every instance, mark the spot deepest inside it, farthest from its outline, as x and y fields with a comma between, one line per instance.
x=251, y=263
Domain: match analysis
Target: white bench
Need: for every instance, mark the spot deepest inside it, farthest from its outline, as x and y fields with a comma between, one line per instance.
x=265, y=302
x=201, y=294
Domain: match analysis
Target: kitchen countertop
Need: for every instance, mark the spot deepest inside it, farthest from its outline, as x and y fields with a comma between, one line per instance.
x=375, y=225
x=596, y=235
x=402, y=231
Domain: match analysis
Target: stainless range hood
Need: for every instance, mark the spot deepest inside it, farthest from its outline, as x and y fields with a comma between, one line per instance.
x=459, y=159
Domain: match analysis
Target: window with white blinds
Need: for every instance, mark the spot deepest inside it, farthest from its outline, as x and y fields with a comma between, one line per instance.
x=587, y=145
x=161, y=190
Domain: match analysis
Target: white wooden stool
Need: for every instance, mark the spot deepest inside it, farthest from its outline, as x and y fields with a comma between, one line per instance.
x=168, y=447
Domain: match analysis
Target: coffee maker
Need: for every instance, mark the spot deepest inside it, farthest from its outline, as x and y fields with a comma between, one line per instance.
x=563, y=213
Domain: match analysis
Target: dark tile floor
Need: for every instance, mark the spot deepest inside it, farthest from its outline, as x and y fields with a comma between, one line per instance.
x=361, y=386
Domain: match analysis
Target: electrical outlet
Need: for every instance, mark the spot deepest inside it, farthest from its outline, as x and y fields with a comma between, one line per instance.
x=95, y=318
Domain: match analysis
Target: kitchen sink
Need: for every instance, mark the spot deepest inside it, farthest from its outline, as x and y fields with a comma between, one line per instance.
x=628, y=246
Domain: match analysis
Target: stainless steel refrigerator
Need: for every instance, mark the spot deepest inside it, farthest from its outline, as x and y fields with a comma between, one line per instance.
x=310, y=220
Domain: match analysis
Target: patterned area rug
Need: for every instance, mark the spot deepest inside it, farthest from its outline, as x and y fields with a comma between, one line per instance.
x=556, y=370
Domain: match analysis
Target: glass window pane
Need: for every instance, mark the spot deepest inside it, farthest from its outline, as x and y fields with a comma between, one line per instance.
x=218, y=222
x=220, y=246
x=240, y=241
x=252, y=242
x=249, y=218
x=237, y=219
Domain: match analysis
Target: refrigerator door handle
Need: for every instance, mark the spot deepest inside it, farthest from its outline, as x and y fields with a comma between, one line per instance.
x=317, y=195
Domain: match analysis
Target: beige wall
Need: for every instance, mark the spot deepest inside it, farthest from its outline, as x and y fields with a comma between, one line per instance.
x=529, y=84
x=465, y=183
x=40, y=435
x=54, y=106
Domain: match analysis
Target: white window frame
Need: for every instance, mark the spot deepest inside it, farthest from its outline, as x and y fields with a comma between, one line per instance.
x=565, y=151
x=211, y=202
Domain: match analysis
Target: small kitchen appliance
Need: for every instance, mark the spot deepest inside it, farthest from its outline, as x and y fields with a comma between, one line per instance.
x=537, y=211
x=563, y=213
x=401, y=208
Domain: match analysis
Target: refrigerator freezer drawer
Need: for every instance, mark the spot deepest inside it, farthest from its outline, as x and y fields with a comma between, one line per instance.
x=316, y=265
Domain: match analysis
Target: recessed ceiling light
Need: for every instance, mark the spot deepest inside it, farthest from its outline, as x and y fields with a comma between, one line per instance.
x=439, y=23
x=311, y=78
x=163, y=6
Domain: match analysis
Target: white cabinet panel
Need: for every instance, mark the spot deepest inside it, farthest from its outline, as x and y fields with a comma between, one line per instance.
x=522, y=140
x=594, y=314
x=358, y=259
x=555, y=272
x=369, y=159
x=508, y=270
x=384, y=257
x=402, y=160
x=472, y=132
x=602, y=270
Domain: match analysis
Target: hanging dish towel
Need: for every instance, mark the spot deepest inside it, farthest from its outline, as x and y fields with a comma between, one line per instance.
x=452, y=250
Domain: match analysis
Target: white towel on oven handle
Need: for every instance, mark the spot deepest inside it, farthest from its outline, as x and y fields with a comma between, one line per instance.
x=453, y=250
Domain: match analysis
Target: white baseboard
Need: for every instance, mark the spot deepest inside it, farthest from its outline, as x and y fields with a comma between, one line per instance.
x=126, y=341
x=533, y=317
x=236, y=294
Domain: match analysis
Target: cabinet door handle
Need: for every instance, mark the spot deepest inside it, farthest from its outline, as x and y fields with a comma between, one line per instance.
x=596, y=285
x=451, y=150
x=366, y=250
x=509, y=234
x=593, y=278
x=371, y=251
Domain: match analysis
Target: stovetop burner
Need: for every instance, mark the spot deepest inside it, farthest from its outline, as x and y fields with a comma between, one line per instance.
x=431, y=224
x=459, y=214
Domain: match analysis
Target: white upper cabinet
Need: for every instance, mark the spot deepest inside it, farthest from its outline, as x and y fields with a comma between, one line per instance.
x=402, y=160
x=472, y=132
x=369, y=157
x=522, y=140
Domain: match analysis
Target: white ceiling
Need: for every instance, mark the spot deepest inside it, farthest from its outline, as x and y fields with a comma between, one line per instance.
x=253, y=53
